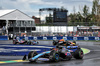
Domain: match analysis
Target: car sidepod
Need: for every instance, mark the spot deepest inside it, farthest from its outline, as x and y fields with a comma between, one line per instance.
x=68, y=56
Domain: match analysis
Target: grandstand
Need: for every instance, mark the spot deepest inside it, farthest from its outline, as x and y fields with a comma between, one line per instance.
x=14, y=21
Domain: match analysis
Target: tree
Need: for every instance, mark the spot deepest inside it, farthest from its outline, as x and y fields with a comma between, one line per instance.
x=85, y=16
x=95, y=10
x=85, y=13
x=80, y=17
x=95, y=7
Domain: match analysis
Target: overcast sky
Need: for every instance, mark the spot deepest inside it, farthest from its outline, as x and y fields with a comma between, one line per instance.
x=31, y=7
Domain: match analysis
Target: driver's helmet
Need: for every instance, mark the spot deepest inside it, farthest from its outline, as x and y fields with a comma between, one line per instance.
x=61, y=40
x=73, y=43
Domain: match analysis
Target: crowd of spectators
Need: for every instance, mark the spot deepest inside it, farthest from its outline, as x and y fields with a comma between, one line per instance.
x=77, y=34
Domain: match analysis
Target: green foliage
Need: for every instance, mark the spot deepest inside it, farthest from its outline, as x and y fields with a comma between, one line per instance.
x=95, y=7
x=85, y=11
x=86, y=17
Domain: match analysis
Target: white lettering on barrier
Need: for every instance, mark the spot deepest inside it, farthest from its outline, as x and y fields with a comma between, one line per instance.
x=17, y=38
x=26, y=38
x=65, y=38
x=54, y=38
x=86, y=38
x=74, y=38
x=44, y=38
x=35, y=38
x=97, y=38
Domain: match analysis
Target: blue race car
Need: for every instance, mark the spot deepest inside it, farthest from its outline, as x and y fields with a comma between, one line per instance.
x=55, y=54
x=22, y=41
x=76, y=51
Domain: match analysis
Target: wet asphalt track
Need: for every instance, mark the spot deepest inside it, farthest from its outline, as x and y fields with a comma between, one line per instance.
x=91, y=59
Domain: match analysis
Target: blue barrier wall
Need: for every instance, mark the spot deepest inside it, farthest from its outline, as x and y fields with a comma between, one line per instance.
x=59, y=37
x=21, y=50
x=3, y=37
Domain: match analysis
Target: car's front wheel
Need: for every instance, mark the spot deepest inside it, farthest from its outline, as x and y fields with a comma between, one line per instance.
x=32, y=54
x=78, y=54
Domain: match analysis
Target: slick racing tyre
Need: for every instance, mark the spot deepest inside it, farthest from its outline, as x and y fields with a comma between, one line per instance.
x=55, y=42
x=37, y=42
x=54, y=56
x=29, y=42
x=16, y=43
x=32, y=54
x=78, y=54
x=13, y=41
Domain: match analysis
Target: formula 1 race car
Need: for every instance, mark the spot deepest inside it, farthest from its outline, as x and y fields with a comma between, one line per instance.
x=55, y=54
x=76, y=51
x=26, y=42
x=63, y=43
x=22, y=41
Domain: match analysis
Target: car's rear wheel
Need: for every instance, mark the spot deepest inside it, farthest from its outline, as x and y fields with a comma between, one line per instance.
x=37, y=42
x=55, y=42
x=25, y=42
x=29, y=42
x=16, y=43
x=13, y=41
x=78, y=54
